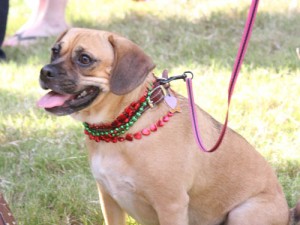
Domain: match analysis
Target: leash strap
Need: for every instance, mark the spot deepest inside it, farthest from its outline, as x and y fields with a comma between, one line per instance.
x=235, y=72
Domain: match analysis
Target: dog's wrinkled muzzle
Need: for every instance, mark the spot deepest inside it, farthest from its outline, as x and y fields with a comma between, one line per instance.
x=64, y=97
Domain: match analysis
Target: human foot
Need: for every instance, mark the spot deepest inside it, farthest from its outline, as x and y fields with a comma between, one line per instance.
x=31, y=35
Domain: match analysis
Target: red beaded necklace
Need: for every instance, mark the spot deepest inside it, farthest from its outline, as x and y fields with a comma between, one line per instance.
x=115, y=131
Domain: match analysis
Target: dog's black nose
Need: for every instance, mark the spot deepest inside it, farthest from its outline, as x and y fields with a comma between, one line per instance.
x=47, y=72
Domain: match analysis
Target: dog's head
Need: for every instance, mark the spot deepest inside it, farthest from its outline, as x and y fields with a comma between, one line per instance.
x=87, y=63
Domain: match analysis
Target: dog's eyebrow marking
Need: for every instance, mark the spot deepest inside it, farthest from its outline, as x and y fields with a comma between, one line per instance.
x=79, y=49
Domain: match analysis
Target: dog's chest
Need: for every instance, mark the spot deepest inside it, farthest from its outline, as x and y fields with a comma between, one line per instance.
x=111, y=173
x=119, y=180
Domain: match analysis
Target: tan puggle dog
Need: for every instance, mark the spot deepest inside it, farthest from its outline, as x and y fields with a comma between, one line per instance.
x=160, y=176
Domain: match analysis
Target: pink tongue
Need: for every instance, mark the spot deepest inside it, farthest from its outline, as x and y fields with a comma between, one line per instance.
x=53, y=99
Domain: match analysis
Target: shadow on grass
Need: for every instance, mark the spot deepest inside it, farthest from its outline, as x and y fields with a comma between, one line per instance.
x=43, y=166
x=35, y=54
x=178, y=42
x=289, y=176
x=14, y=102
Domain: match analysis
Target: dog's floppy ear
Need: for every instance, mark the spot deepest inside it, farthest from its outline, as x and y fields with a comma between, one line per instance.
x=130, y=67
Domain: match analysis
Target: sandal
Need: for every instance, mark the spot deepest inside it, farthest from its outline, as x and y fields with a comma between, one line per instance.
x=22, y=40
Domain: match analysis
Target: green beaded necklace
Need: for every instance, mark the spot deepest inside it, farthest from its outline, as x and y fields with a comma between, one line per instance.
x=112, y=132
x=121, y=129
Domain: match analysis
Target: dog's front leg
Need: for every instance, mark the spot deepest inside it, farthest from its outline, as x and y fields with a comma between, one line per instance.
x=112, y=212
x=174, y=212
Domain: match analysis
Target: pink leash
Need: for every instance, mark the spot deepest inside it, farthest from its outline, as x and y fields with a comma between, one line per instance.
x=235, y=72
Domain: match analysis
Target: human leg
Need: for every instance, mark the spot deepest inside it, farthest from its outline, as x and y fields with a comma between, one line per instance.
x=48, y=19
x=3, y=18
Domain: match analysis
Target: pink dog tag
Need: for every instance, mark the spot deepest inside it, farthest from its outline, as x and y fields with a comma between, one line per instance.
x=171, y=101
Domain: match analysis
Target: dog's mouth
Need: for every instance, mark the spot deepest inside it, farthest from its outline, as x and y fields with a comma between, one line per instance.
x=65, y=104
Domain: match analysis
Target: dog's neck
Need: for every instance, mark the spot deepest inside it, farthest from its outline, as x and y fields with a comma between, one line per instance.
x=109, y=106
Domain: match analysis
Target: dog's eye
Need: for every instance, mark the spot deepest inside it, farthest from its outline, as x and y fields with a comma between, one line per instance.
x=55, y=51
x=85, y=59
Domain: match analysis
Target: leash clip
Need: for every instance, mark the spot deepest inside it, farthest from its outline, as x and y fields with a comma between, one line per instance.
x=163, y=81
x=188, y=73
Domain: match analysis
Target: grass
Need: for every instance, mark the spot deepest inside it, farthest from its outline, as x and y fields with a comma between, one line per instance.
x=44, y=171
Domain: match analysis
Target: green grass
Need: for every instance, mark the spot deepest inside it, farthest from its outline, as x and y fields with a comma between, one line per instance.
x=44, y=171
